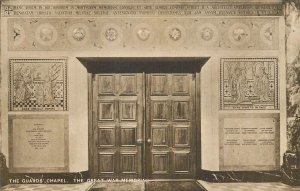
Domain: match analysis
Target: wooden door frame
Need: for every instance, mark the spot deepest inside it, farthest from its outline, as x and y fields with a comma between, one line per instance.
x=198, y=124
x=91, y=122
x=91, y=144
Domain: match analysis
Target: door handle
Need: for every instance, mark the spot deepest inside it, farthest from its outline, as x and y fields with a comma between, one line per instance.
x=149, y=141
x=139, y=141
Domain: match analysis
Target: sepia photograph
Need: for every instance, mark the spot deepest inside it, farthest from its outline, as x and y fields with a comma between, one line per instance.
x=149, y=95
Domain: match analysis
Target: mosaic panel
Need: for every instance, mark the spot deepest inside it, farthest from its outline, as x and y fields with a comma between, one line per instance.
x=249, y=84
x=38, y=85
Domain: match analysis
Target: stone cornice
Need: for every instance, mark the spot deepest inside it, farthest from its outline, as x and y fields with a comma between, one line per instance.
x=134, y=1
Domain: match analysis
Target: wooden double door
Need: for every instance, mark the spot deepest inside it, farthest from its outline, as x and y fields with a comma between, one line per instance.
x=143, y=125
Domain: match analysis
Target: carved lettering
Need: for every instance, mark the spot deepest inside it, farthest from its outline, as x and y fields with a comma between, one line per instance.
x=144, y=10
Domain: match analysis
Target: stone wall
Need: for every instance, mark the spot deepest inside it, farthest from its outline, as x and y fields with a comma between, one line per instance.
x=238, y=46
x=293, y=73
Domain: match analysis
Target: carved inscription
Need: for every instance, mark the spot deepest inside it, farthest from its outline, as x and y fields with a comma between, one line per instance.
x=249, y=143
x=38, y=142
x=249, y=84
x=38, y=85
x=38, y=136
x=183, y=9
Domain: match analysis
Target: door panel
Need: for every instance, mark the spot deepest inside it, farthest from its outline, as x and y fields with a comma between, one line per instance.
x=144, y=117
x=119, y=124
x=170, y=124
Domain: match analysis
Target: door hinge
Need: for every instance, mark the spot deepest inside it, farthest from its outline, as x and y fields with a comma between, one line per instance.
x=93, y=77
x=193, y=77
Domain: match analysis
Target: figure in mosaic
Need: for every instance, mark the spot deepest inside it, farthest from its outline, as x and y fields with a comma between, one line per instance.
x=238, y=83
x=249, y=84
x=37, y=86
x=261, y=82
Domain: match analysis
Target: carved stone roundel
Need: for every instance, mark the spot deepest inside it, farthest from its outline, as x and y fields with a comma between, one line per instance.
x=239, y=34
x=143, y=34
x=207, y=33
x=79, y=34
x=175, y=34
x=46, y=34
x=111, y=34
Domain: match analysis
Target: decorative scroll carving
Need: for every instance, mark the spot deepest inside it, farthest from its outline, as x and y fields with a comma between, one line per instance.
x=249, y=84
x=38, y=85
x=19, y=34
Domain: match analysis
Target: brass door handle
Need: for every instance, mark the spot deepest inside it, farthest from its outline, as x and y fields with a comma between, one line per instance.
x=139, y=141
x=149, y=141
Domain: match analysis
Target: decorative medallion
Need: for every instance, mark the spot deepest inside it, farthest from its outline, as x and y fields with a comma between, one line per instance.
x=239, y=34
x=111, y=34
x=78, y=34
x=266, y=33
x=175, y=34
x=143, y=34
x=46, y=34
x=207, y=33
x=18, y=34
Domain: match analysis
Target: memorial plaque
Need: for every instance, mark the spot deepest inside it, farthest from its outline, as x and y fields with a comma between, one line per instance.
x=38, y=143
x=249, y=142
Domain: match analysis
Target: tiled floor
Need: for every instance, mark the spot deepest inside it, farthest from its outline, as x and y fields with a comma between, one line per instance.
x=274, y=186
x=47, y=187
x=118, y=186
